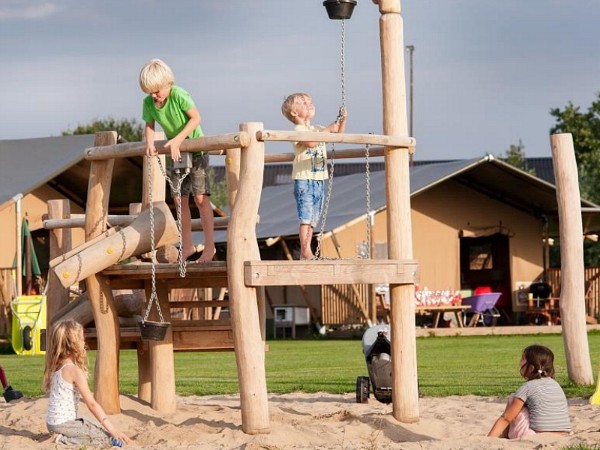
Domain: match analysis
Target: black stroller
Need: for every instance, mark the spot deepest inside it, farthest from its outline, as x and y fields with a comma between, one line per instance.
x=377, y=350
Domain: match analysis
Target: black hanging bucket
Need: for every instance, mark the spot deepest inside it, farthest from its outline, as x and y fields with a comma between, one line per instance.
x=153, y=331
x=339, y=9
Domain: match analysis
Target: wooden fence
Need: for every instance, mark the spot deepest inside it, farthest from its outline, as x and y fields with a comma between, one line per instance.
x=340, y=305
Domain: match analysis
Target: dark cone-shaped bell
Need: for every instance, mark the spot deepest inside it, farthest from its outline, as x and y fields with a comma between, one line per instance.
x=339, y=9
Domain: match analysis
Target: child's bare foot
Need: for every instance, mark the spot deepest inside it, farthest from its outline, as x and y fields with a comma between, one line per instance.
x=307, y=256
x=207, y=255
x=190, y=254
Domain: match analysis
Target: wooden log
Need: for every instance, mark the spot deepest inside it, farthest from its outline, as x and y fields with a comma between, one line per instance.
x=128, y=303
x=130, y=241
x=394, y=141
x=243, y=246
x=210, y=144
x=572, y=289
x=106, y=380
x=78, y=221
x=405, y=394
x=339, y=154
x=60, y=241
x=55, y=261
x=232, y=174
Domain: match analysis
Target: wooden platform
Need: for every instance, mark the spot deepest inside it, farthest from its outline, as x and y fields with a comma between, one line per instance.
x=135, y=275
x=334, y=271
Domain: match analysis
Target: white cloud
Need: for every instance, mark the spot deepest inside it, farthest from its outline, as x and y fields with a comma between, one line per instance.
x=27, y=10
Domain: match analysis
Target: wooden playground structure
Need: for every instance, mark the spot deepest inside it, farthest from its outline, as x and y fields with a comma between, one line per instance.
x=244, y=274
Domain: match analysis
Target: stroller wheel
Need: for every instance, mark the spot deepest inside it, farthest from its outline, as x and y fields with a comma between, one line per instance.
x=363, y=387
x=27, y=338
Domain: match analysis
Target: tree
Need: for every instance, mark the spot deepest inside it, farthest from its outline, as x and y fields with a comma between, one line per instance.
x=515, y=156
x=128, y=129
x=585, y=128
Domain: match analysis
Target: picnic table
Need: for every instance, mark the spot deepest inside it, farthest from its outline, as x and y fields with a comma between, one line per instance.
x=438, y=310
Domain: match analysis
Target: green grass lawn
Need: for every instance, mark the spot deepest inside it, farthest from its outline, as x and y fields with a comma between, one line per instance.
x=477, y=365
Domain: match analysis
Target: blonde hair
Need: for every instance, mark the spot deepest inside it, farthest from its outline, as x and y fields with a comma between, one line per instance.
x=66, y=341
x=154, y=75
x=288, y=106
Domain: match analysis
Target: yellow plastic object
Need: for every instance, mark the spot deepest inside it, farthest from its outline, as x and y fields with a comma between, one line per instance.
x=595, y=399
x=29, y=324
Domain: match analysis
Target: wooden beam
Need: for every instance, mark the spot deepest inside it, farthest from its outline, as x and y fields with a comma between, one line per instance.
x=283, y=273
x=210, y=144
x=343, y=138
x=78, y=221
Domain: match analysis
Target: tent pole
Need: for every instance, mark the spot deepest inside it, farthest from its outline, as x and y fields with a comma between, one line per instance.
x=19, y=248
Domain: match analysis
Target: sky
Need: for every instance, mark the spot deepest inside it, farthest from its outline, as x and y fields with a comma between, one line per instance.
x=485, y=73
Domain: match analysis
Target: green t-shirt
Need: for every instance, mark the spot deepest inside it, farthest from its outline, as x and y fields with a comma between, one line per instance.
x=172, y=116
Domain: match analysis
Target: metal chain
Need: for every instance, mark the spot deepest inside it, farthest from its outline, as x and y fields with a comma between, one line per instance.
x=332, y=158
x=326, y=205
x=153, y=295
x=342, y=66
x=369, y=213
x=177, y=193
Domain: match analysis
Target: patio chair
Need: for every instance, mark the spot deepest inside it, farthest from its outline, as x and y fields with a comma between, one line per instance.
x=482, y=308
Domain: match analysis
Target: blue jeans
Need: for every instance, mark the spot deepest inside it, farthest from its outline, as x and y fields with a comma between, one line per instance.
x=309, y=200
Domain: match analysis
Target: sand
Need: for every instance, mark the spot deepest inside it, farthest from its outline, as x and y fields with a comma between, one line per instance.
x=305, y=421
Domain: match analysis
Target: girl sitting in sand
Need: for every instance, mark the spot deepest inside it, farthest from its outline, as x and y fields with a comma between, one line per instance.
x=66, y=381
x=539, y=405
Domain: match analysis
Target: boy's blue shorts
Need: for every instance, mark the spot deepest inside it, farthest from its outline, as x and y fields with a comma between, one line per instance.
x=309, y=200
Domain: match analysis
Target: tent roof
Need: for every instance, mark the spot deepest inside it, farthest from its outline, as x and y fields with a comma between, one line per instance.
x=494, y=178
x=26, y=164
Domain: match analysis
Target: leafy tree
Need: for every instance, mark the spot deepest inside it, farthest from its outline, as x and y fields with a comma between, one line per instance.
x=218, y=190
x=515, y=156
x=128, y=129
x=585, y=128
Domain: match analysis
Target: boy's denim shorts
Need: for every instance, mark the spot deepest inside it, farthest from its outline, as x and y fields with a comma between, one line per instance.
x=196, y=182
x=309, y=200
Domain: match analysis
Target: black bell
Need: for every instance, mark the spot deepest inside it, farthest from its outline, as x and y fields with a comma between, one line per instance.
x=339, y=9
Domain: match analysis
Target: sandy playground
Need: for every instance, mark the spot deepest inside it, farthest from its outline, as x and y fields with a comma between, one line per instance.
x=305, y=421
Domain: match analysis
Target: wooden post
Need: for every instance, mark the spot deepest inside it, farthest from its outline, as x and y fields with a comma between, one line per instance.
x=19, y=246
x=61, y=242
x=232, y=168
x=572, y=278
x=143, y=351
x=242, y=246
x=405, y=394
x=106, y=386
x=162, y=362
x=156, y=374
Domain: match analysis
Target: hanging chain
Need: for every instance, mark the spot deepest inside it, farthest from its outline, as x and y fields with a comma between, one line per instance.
x=332, y=158
x=326, y=205
x=369, y=213
x=177, y=193
x=342, y=70
x=153, y=295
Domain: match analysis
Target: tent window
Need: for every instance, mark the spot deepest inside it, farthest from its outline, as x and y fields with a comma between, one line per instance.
x=480, y=257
